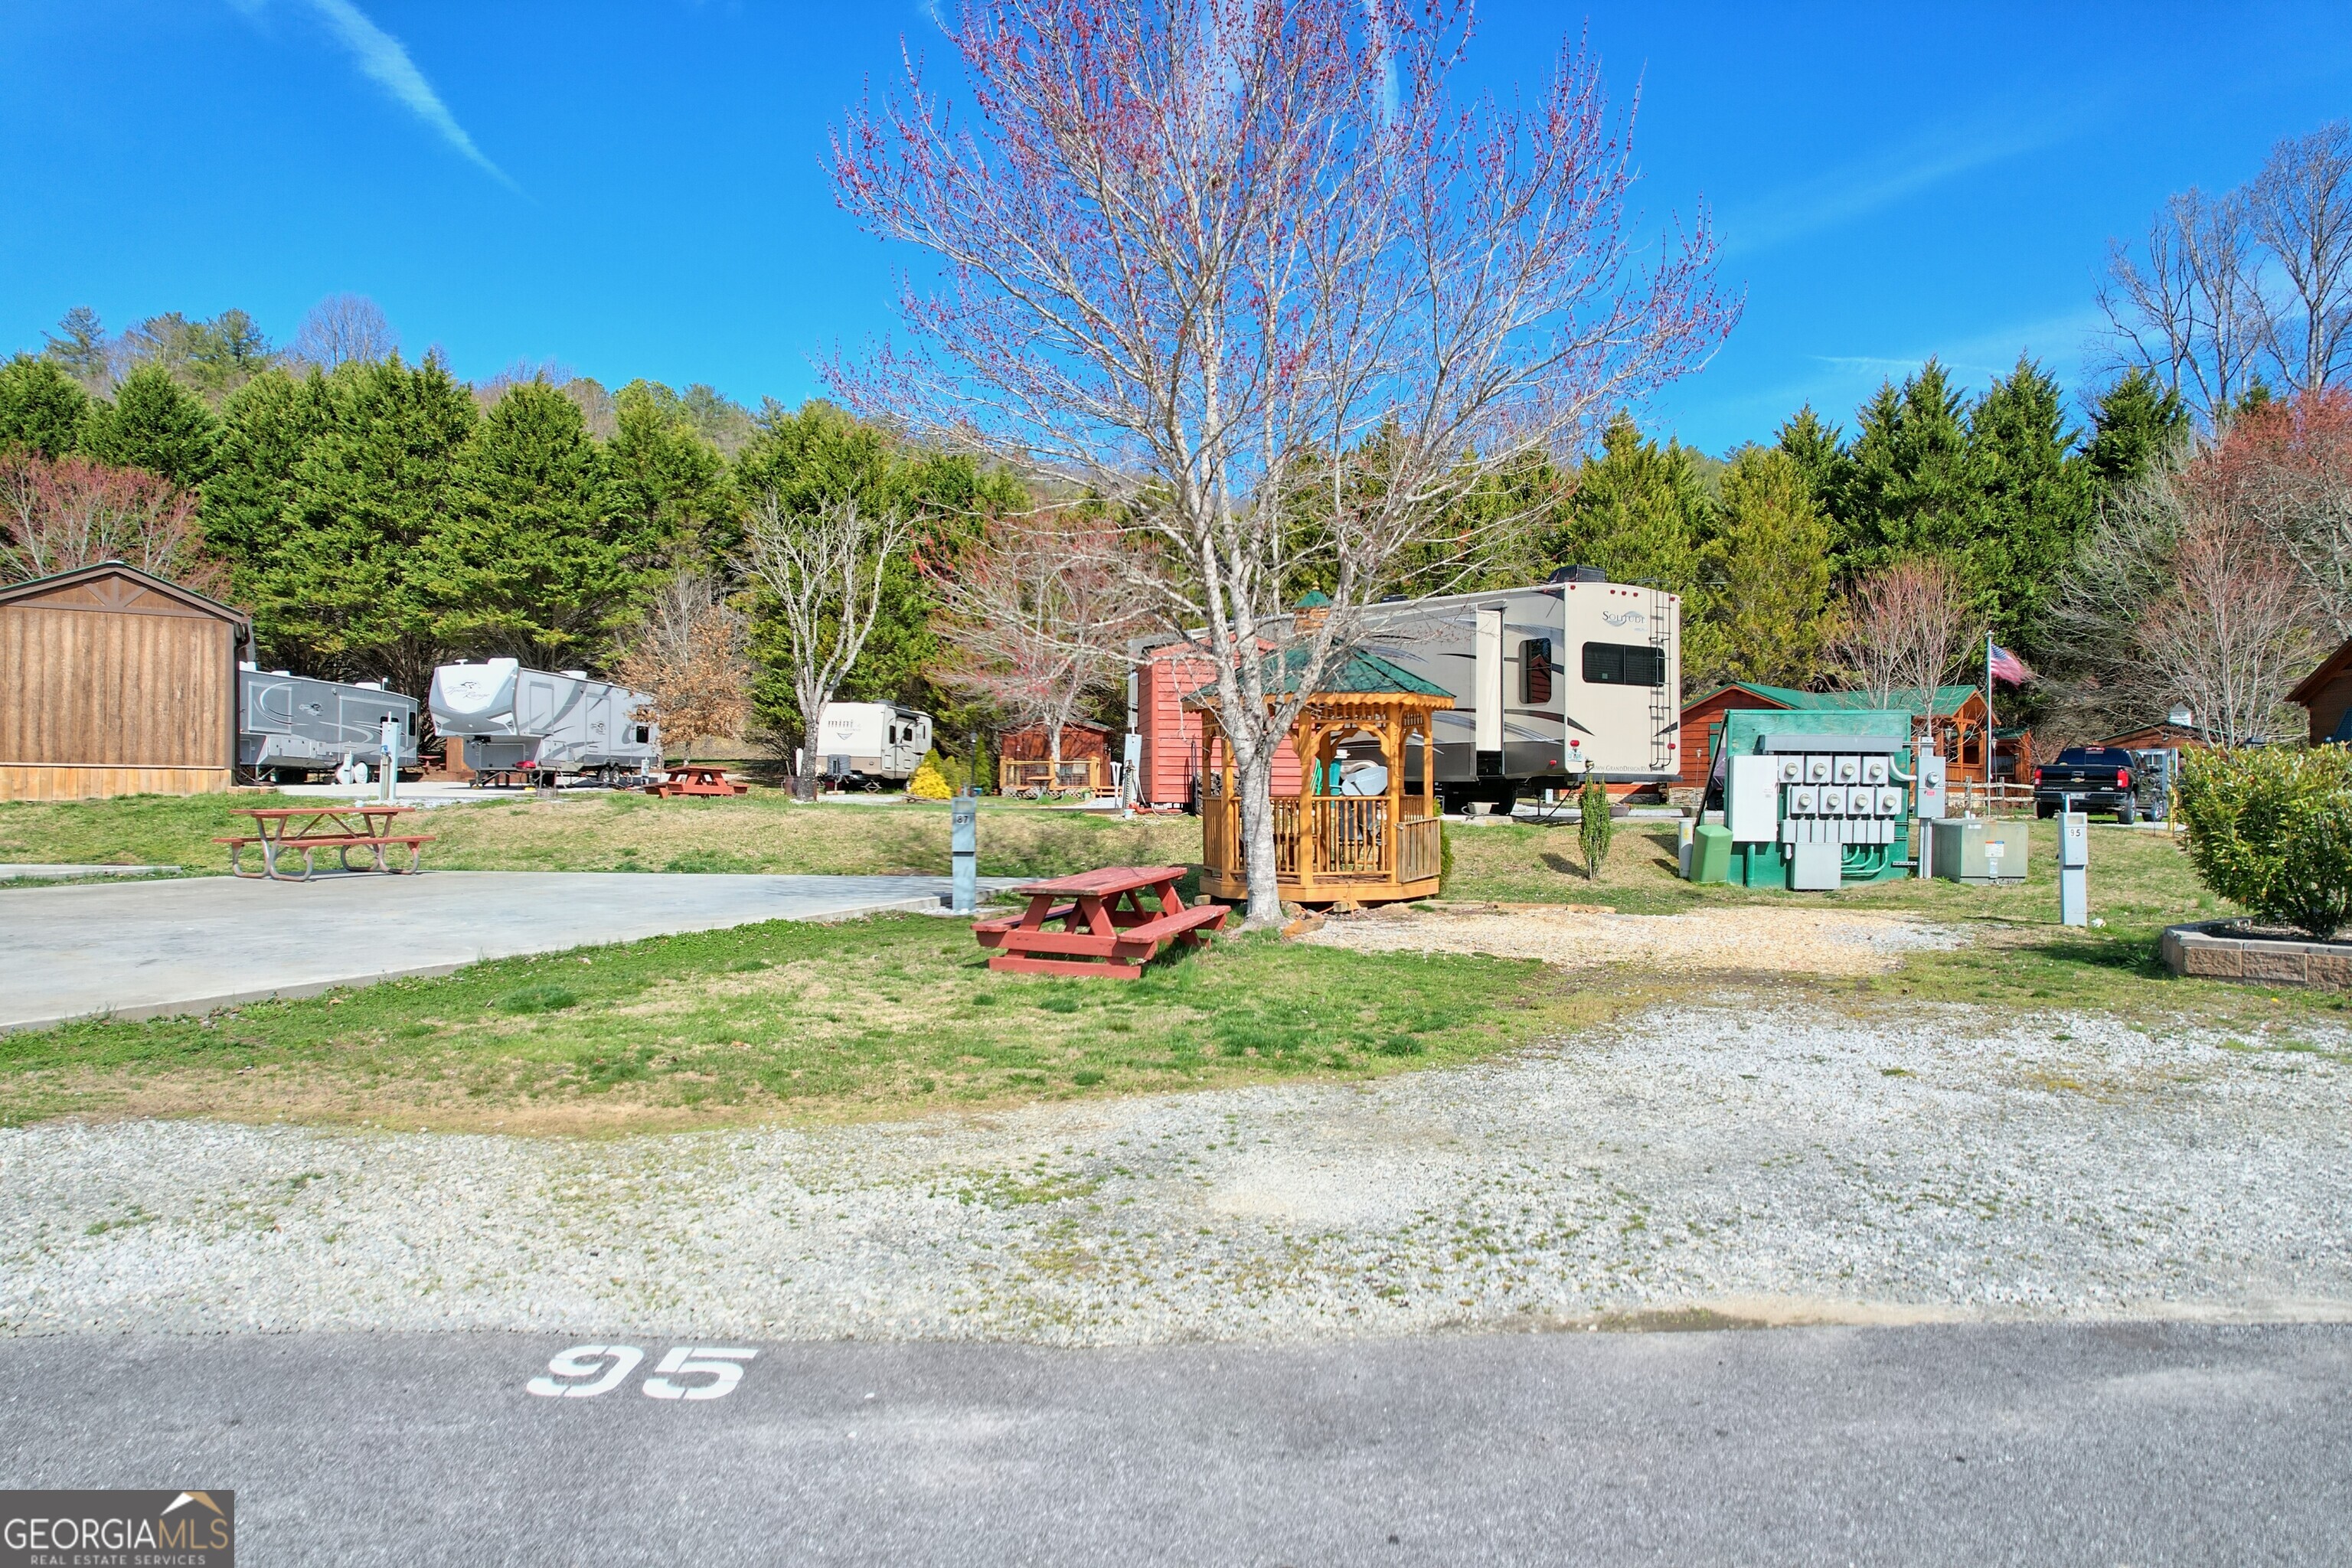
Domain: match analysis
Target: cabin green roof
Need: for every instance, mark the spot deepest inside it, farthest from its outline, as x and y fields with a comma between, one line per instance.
x=1949, y=699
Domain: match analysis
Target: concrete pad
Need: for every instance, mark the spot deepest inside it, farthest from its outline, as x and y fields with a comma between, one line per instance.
x=189, y=946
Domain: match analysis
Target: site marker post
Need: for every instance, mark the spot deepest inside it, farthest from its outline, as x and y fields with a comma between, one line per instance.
x=963, y=822
x=2073, y=866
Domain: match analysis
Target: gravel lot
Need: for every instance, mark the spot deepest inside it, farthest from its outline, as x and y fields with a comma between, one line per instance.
x=1750, y=1157
x=1748, y=940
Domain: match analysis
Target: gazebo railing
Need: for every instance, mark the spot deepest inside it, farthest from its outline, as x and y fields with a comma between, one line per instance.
x=1341, y=837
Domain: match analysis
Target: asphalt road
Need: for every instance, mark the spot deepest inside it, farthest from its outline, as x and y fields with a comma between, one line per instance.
x=2140, y=1444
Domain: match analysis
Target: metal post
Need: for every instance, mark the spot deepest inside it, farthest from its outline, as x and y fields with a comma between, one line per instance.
x=963, y=842
x=2073, y=866
x=391, y=738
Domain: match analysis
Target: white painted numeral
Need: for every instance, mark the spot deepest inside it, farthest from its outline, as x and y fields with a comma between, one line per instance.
x=715, y=1361
x=584, y=1361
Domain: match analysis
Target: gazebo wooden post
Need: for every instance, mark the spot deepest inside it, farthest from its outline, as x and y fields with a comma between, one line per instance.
x=1392, y=754
x=1307, y=741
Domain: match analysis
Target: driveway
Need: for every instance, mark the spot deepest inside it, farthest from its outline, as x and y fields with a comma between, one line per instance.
x=189, y=946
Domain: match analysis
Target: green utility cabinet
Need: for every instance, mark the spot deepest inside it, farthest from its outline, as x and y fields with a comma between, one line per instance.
x=1970, y=850
x=1816, y=799
x=1710, y=853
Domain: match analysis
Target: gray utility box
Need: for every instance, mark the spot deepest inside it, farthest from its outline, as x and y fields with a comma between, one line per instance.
x=1970, y=850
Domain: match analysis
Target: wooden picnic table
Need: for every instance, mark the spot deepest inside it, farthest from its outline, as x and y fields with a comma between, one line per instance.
x=697, y=778
x=307, y=829
x=1113, y=921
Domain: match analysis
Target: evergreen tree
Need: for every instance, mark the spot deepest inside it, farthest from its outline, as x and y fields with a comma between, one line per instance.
x=2031, y=504
x=1767, y=563
x=2133, y=422
x=1636, y=512
x=1911, y=488
x=665, y=483
x=529, y=562
x=155, y=424
x=265, y=431
x=41, y=409
x=79, y=347
x=346, y=591
x=817, y=455
x=1818, y=449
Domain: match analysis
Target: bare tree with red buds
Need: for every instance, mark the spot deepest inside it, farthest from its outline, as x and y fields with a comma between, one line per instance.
x=1249, y=272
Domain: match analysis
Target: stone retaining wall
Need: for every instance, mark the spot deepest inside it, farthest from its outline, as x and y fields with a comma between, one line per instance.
x=2218, y=950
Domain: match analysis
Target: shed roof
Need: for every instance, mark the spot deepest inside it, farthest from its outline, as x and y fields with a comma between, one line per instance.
x=1949, y=699
x=120, y=587
x=2307, y=689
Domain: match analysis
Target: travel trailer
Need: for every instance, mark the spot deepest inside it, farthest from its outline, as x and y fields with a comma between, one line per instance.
x=290, y=726
x=863, y=745
x=544, y=724
x=1550, y=682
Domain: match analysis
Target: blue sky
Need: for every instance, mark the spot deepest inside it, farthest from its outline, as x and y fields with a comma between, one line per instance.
x=635, y=189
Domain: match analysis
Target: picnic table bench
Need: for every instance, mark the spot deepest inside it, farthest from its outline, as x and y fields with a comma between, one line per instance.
x=696, y=779
x=1107, y=927
x=307, y=829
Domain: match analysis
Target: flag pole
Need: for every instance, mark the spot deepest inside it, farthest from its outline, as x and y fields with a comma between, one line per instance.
x=1990, y=742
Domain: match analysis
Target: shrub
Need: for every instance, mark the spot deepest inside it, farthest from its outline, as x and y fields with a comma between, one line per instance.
x=931, y=781
x=2271, y=828
x=1593, y=831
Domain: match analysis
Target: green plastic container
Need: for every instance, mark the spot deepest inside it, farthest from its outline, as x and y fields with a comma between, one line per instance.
x=1710, y=853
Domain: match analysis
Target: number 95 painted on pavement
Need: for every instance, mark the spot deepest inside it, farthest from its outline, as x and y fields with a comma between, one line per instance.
x=583, y=1373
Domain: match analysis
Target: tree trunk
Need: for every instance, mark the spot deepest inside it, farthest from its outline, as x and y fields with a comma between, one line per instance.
x=1253, y=788
x=812, y=701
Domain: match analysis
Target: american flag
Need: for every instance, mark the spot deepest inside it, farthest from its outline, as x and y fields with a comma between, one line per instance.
x=2005, y=666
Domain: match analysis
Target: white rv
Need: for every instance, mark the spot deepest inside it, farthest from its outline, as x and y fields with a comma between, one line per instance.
x=865, y=744
x=1550, y=682
x=533, y=721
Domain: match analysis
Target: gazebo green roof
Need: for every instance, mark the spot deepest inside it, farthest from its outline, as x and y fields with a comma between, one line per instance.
x=1355, y=673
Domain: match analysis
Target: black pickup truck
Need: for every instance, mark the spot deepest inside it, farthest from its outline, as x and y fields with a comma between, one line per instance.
x=2097, y=778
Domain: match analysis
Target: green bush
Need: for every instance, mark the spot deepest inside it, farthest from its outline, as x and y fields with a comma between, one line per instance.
x=2271, y=828
x=1593, y=831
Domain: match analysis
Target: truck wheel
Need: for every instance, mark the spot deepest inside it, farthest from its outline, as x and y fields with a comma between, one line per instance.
x=2044, y=809
x=2128, y=813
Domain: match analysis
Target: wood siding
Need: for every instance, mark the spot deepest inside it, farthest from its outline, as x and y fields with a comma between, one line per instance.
x=93, y=688
x=66, y=782
x=2326, y=703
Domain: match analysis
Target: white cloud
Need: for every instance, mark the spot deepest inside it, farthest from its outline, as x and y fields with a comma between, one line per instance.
x=1861, y=189
x=383, y=59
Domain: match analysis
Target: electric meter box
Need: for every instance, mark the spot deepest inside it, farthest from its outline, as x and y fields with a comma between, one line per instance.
x=1814, y=799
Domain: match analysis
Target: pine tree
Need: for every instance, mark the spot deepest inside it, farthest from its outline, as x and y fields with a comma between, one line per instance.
x=529, y=562
x=1911, y=488
x=1767, y=563
x=155, y=424
x=1636, y=512
x=2032, y=505
x=80, y=348
x=345, y=592
x=666, y=484
x=265, y=431
x=1818, y=449
x=41, y=409
x=2133, y=422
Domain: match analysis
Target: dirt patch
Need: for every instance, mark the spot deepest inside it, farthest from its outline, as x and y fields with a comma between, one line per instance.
x=1747, y=940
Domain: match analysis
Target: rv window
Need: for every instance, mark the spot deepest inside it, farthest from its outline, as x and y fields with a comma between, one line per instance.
x=1535, y=670
x=1624, y=664
x=411, y=724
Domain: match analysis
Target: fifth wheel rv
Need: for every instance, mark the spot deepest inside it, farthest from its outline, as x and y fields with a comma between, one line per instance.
x=530, y=721
x=290, y=726
x=1549, y=682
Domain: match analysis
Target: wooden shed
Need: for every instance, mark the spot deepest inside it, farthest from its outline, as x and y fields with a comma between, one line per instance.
x=114, y=682
x=1024, y=758
x=2326, y=695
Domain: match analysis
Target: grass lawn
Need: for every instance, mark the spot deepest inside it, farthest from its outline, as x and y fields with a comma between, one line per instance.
x=887, y=1016
x=600, y=830
x=894, y=1015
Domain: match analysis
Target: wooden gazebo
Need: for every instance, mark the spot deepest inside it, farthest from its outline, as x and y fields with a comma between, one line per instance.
x=1350, y=825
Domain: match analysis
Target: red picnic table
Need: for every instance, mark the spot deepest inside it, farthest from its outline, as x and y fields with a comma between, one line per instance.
x=308, y=829
x=697, y=778
x=1108, y=928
